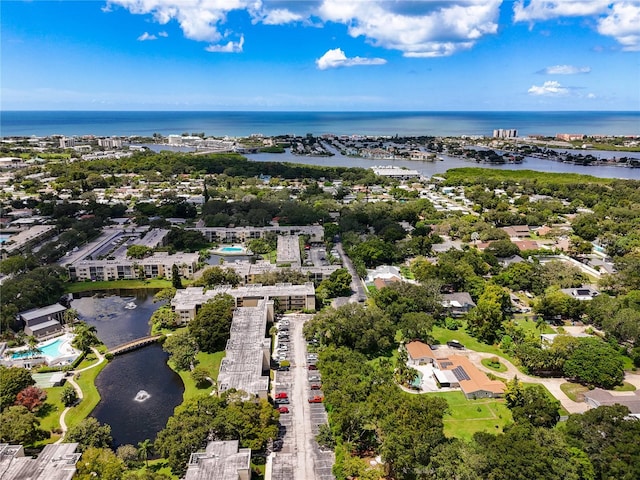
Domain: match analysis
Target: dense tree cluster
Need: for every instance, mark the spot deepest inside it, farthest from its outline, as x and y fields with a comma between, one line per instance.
x=218, y=418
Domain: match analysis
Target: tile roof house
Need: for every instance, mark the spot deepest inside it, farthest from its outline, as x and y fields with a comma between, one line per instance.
x=419, y=353
x=457, y=370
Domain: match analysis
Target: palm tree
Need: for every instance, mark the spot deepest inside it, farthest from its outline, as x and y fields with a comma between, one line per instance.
x=69, y=316
x=32, y=343
x=144, y=448
x=85, y=336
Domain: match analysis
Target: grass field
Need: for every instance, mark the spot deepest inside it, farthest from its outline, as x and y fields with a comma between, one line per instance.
x=467, y=417
x=208, y=361
x=625, y=387
x=116, y=284
x=49, y=413
x=90, y=399
x=444, y=335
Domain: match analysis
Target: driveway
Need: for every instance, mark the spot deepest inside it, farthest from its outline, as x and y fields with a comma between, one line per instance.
x=552, y=384
x=358, y=288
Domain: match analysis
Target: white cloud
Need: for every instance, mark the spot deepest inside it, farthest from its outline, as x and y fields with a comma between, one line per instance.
x=163, y=34
x=565, y=70
x=418, y=29
x=336, y=58
x=229, y=47
x=547, y=9
x=146, y=36
x=617, y=19
x=549, y=89
x=623, y=24
x=591, y=95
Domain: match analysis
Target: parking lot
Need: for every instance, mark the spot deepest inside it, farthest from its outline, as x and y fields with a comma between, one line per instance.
x=297, y=454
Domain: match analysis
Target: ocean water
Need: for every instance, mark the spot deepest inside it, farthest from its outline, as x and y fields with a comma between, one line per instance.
x=106, y=123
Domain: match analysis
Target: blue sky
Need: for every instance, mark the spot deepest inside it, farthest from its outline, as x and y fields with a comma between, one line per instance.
x=337, y=55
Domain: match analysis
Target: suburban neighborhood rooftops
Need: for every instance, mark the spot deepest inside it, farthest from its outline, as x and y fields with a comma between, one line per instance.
x=222, y=460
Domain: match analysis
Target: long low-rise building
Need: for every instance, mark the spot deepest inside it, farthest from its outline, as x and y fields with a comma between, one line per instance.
x=249, y=272
x=27, y=238
x=160, y=264
x=244, y=234
x=222, y=460
x=246, y=363
x=55, y=462
x=187, y=301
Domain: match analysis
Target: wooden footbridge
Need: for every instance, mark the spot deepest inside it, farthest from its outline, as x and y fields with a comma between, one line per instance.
x=134, y=344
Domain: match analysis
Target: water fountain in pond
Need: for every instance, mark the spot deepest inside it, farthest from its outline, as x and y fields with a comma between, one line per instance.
x=141, y=396
x=130, y=306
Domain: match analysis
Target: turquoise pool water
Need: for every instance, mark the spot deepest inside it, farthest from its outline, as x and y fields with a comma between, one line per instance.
x=50, y=350
x=231, y=249
x=417, y=382
x=4, y=237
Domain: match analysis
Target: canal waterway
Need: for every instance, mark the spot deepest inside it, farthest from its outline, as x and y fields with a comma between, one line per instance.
x=138, y=390
x=430, y=168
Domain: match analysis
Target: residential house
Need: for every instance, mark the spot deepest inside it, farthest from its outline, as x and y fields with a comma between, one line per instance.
x=419, y=353
x=457, y=304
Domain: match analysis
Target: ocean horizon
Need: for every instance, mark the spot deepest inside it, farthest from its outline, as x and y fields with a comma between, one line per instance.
x=271, y=123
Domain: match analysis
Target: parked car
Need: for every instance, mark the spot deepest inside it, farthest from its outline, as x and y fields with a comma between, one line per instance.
x=314, y=378
x=283, y=409
x=312, y=367
x=316, y=386
x=316, y=399
x=455, y=344
x=281, y=395
x=280, y=401
x=283, y=368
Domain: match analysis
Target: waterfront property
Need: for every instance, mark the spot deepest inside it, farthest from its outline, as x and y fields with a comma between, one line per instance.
x=56, y=351
x=159, y=264
x=222, y=460
x=55, y=462
x=188, y=301
x=247, y=353
x=43, y=322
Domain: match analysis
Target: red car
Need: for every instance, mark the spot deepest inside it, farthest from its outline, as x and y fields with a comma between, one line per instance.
x=283, y=409
x=316, y=399
x=313, y=367
x=281, y=395
x=316, y=386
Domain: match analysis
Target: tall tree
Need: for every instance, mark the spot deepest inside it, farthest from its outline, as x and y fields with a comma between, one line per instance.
x=144, y=449
x=212, y=323
x=176, y=281
x=12, y=381
x=90, y=433
x=485, y=320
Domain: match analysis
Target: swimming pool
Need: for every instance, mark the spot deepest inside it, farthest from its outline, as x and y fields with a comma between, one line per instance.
x=56, y=348
x=232, y=249
x=4, y=237
x=417, y=382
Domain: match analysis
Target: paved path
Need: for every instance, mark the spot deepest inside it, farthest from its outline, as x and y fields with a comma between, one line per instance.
x=63, y=424
x=552, y=384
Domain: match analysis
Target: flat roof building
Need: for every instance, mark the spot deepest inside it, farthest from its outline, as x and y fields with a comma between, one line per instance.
x=24, y=239
x=247, y=353
x=222, y=460
x=55, y=462
x=288, y=250
x=41, y=322
x=187, y=301
x=244, y=234
x=395, y=172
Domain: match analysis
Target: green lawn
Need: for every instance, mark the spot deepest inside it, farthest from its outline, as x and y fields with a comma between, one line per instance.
x=209, y=361
x=49, y=413
x=500, y=367
x=625, y=387
x=90, y=399
x=529, y=325
x=115, y=284
x=574, y=391
x=444, y=335
x=466, y=417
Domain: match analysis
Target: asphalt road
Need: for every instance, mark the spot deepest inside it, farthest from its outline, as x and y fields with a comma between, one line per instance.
x=357, y=287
